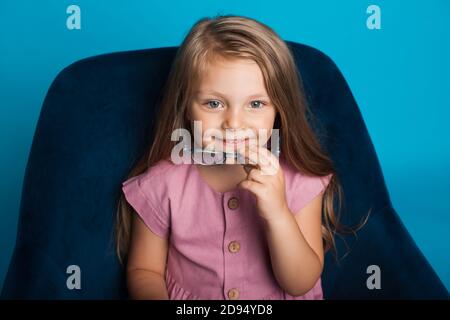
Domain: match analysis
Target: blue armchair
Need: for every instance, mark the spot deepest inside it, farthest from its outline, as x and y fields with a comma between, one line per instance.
x=96, y=121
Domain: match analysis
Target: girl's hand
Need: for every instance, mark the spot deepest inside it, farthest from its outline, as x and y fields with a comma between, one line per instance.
x=265, y=179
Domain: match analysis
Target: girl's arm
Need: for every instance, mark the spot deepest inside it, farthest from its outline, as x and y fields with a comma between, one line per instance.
x=296, y=249
x=146, y=263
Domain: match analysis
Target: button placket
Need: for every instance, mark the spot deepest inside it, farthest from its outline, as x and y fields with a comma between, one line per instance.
x=232, y=245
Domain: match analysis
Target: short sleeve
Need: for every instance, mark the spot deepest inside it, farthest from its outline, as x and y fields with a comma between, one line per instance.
x=305, y=189
x=146, y=194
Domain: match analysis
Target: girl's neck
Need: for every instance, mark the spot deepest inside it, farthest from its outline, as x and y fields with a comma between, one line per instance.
x=224, y=169
x=222, y=177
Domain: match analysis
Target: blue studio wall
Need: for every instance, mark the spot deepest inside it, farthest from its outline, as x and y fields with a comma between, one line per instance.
x=397, y=73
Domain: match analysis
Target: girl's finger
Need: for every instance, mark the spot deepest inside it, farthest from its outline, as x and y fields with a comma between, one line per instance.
x=244, y=159
x=260, y=156
x=253, y=186
x=256, y=175
x=248, y=167
x=250, y=155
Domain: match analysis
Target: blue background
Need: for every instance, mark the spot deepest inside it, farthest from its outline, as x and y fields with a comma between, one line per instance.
x=398, y=75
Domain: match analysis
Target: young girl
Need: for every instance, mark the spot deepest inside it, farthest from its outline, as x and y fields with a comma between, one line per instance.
x=228, y=231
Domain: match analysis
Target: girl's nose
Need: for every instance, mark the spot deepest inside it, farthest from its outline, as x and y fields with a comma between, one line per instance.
x=233, y=119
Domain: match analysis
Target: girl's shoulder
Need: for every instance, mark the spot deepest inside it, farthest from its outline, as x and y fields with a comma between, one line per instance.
x=159, y=174
x=301, y=187
x=294, y=177
x=149, y=194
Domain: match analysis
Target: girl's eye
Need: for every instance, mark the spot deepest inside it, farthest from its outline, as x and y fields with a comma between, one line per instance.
x=214, y=104
x=258, y=105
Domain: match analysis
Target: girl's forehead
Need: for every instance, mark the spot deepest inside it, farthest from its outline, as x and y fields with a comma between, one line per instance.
x=238, y=76
x=228, y=63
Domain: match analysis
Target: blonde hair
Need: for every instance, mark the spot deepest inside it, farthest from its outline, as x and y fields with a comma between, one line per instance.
x=233, y=37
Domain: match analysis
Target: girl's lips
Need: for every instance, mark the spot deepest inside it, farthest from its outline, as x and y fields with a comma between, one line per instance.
x=234, y=141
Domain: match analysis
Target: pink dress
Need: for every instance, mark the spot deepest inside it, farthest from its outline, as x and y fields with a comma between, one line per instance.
x=217, y=245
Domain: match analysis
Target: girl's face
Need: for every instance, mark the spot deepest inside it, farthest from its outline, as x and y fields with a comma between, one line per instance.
x=232, y=100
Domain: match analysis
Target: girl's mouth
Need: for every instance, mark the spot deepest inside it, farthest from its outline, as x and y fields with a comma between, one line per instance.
x=233, y=142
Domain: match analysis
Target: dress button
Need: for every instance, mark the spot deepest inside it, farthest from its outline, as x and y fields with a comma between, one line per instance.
x=233, y=294
x=234, y=246
x=233, y=203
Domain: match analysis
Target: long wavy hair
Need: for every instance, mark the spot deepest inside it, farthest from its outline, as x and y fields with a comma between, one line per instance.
x=238, y=37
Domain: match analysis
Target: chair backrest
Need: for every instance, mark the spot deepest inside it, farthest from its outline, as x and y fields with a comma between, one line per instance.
x=96, y=121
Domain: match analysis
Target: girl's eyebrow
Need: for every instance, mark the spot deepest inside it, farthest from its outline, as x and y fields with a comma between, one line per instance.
x=258, y=95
